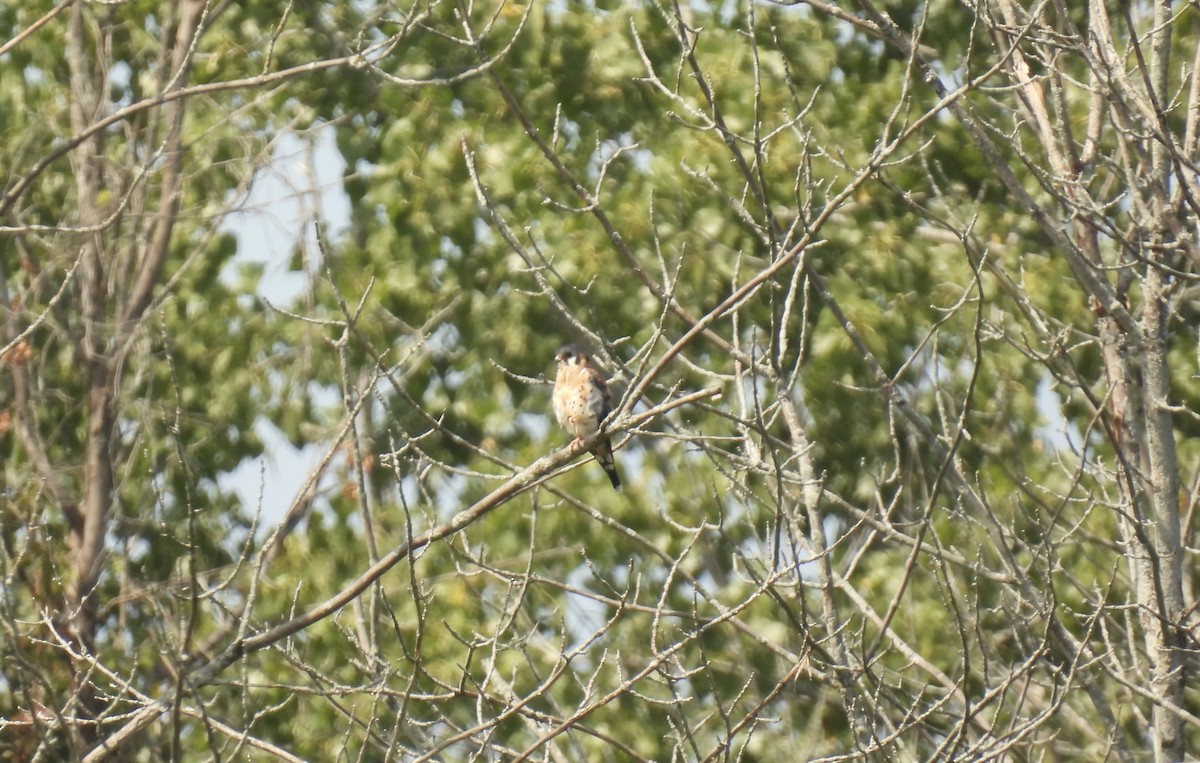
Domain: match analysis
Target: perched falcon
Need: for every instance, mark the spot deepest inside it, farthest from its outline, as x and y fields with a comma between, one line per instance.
x=581, y=401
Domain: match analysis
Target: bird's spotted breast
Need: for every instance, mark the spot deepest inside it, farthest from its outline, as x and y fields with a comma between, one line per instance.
x=574, y=394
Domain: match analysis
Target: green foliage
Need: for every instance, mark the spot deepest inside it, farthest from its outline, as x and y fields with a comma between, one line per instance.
x=692, y=613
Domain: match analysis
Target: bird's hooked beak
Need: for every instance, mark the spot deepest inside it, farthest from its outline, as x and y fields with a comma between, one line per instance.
x=568, y=354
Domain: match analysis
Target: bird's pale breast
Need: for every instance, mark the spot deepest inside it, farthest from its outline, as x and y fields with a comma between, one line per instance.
x=577, y=401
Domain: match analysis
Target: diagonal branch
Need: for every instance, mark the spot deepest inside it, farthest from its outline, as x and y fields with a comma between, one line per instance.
x=529, y=477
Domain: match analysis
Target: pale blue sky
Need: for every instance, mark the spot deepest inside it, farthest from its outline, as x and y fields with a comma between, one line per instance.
x=303, y=182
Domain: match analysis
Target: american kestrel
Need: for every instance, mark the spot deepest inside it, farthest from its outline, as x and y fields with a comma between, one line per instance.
x=581, y=401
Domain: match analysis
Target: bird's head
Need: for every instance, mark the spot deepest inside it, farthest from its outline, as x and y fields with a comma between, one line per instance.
x=572, y=356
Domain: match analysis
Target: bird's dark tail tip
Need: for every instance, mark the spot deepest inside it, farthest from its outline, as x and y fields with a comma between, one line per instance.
x=613, y=478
